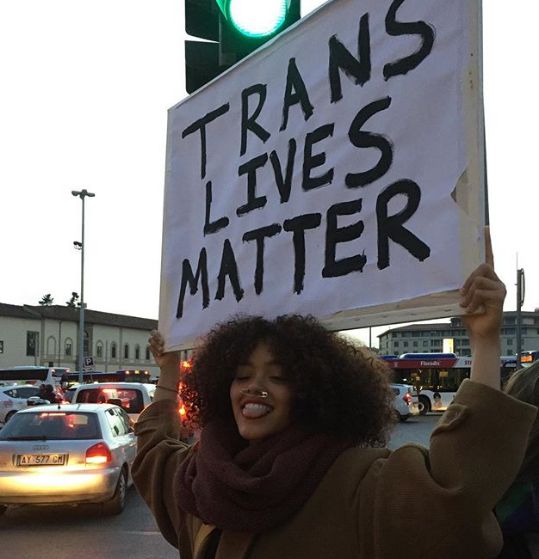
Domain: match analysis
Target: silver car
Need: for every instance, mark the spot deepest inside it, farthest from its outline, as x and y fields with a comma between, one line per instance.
x=403, y=401
x=74, y=453
x=14, y=398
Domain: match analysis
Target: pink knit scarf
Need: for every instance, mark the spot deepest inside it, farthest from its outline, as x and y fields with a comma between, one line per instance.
x=256, y=487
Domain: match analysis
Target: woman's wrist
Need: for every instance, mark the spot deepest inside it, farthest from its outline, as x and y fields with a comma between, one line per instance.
x=165, y=391
x=486, y=362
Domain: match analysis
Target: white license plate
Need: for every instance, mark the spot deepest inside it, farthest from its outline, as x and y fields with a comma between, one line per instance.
x=41, y=459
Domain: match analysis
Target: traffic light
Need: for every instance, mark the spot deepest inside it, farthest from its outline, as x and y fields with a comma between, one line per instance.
x=232, y=29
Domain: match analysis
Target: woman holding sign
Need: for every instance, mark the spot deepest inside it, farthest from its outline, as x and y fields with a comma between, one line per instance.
x=291, y=462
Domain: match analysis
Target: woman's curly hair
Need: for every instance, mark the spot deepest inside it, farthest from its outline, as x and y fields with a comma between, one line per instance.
x=340, y=388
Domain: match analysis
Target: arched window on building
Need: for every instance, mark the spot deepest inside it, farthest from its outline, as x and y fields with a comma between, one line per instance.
x=99, y=349
x=126, y=351
x=68, y=347
x=137, y=352
x=147, y=353
x=51, y=346
x=113, y=350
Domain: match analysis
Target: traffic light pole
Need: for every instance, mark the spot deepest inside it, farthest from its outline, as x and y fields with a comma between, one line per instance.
x=520, y=302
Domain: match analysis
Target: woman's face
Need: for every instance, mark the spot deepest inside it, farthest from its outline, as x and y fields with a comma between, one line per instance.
x=258, y=417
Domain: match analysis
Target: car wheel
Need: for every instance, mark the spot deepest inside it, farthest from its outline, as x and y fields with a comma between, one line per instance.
x=9, y=416
x=117, y=503
x=424, y=405
x=403, y=418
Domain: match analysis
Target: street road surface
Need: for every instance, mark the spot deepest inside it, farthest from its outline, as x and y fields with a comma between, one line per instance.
x=83, y=533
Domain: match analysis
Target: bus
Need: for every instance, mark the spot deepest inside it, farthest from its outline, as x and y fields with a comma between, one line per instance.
x=122, y=375
x=436, y=377
x=28, y=374
x=528, y=357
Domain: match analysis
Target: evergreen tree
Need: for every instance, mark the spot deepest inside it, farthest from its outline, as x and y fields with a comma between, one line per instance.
x=46, y=300
x=73, y=301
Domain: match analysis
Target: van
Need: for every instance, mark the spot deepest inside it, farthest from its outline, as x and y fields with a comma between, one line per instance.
x=132, y=397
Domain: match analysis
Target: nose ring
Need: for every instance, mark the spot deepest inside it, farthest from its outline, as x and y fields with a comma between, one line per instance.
x=259, y=393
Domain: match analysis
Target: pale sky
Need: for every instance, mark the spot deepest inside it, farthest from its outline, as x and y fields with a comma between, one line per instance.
x=85, y=90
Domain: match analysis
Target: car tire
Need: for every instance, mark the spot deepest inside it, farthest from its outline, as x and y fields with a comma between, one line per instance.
x=9, y=416
x=424, y=405
x=117, y=504
x=403, y=418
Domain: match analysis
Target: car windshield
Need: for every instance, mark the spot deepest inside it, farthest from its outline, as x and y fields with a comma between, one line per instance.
x=51, y=425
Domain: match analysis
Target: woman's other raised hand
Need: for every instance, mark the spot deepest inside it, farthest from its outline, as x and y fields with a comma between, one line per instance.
x=483, y=294
x=165, y=360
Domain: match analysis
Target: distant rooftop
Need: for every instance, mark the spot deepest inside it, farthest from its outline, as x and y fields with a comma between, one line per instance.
x=69, y=314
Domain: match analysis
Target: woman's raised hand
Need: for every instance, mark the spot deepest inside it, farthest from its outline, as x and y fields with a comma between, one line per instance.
x=483, y=294
x=157, y=347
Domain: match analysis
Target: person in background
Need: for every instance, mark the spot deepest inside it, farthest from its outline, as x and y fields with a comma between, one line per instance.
x=518, y=510
x=291, y=461
x=47, y=392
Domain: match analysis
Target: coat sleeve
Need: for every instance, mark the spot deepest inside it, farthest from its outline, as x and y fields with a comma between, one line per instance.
x=440, y=502
x=159, y=454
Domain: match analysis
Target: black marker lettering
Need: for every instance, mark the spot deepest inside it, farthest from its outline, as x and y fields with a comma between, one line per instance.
x=249, y=122
x=298, y=225
x=284, y=183
x=335, y=234
x=391, y=226
x=311, y=161
x=209, y=226
x=228, y=268
x=340, y=58
x=188, y=278
x=250, y=168
x=259, y=235
x=200, y=124
x=295, y=82
x=362, y=139
x=396, y=28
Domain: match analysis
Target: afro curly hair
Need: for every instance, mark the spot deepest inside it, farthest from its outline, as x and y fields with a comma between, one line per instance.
x=340, y=388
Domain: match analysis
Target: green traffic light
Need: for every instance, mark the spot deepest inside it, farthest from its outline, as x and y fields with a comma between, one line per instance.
x=255, y=18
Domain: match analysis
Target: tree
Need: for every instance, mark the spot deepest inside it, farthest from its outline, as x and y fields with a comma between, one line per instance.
x=72, y=303
x=46, y=300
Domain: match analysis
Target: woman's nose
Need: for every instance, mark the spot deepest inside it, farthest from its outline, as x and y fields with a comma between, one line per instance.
x=255, y=389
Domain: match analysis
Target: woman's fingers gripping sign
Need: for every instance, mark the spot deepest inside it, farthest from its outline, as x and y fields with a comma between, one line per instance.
x=482, y=296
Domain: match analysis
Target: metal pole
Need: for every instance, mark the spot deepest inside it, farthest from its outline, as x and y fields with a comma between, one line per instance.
x=82, y=194
x=520, y=301
x=81, y=313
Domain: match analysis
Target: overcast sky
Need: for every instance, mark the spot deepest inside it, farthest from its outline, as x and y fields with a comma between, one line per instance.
x=85, y=90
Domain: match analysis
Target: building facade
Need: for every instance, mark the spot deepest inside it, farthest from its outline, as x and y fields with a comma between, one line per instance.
x=429, y=337
x=49, y=336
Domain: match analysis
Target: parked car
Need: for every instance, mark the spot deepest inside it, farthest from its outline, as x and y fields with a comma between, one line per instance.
x=132, y=397
x=69, y=393
x=72, y=454
x=13, y=398
x=403, y=400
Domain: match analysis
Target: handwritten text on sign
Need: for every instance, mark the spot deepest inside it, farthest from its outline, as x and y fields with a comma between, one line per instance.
x=308, y=178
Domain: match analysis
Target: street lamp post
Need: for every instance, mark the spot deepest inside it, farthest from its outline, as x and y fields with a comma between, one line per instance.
x=82, y=194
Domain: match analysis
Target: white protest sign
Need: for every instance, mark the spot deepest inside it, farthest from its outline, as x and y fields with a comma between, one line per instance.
x=337, y=171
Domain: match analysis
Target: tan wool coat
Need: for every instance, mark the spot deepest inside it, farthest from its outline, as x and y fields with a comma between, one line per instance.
x=372, y=503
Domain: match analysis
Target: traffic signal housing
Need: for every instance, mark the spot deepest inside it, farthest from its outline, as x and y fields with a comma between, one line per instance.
x=232, y=29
